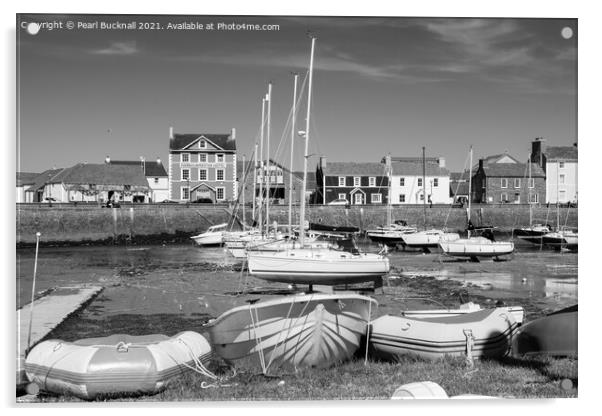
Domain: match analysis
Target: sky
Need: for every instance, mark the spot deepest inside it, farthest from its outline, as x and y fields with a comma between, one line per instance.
x=380, y=85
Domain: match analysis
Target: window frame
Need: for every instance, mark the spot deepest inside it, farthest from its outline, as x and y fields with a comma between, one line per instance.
x=504, y=198
x=357, y=181
x=182, y=155
x=202, y=144
x=182, y=174
x=342, y=196
x=372, y=181
x=223, y=172
x=376, y=198
x=402, y=181
x=341, y=179
x=217, y=191
x=219, y=156
x=187, y=189
x=419, y=182
x=402, y=198
x=516, y=183
x=531, y=183
x=203, y=156
x=504, y=183
x=435, y=182
x=206, y=174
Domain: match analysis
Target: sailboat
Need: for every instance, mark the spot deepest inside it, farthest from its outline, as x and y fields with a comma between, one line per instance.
x=476, y=246
x=427, y=238
x=534, y=232
x=310, y=265
x=391, y=234
x=311, y=330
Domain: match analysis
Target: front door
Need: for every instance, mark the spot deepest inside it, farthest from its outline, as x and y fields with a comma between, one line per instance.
x=358, y=199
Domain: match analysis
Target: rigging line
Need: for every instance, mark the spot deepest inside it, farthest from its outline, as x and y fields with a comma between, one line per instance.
x=456, y=192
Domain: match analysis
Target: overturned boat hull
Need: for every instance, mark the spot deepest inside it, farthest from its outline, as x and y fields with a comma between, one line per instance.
x=315, y=330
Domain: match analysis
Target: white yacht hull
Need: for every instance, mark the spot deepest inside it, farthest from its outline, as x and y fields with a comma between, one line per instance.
x=476, y=247
x=317, y=266
x=429, y=238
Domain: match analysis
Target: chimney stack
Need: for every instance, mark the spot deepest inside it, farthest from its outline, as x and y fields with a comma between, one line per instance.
x=442, y=162
x=107, y=160
x=536, y=151
x=388, y=160
x=233, y=134
x=170, y=132
x=158, y=160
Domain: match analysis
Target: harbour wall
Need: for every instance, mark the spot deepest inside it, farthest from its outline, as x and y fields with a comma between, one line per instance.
x=73, y=225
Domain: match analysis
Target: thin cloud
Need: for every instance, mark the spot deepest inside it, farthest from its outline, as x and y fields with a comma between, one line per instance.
x=118, y=48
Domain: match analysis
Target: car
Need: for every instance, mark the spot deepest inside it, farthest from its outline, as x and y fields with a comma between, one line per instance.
x=339, y=201
x=113, y=204
x=50, y=199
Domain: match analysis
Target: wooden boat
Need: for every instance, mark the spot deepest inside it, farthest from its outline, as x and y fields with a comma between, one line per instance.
x=314, y=330
x=554, y=334
x=484, y=333
x=115, y=365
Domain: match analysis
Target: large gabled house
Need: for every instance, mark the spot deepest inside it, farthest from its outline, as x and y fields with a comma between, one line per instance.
x=560, y=165
x=357, y=183
x=202, y=166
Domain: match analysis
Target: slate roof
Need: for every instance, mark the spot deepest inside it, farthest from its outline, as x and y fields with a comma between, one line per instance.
x=513, y=170
x=411, y=159
x=414, y=168
x=101, y=174
x=354, y=169
x=458, y=176
x=43, y=178
x=311, y=180
x=26, y=178
x=561, y=153
x=180, y=141
x=151, y=168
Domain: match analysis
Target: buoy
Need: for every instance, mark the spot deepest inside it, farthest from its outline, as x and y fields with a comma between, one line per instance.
x=419, y=390
x=566, y=384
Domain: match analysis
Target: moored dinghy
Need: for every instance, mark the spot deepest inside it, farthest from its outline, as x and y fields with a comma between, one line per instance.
x=314, y=330
x=117, y=364
x=485, y=333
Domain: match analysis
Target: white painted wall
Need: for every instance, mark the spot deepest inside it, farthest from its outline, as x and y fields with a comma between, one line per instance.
x=439, y=194
x=561, y=183
x=160, y=190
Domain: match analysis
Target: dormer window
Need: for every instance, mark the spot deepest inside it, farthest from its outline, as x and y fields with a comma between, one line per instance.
x=202, y=144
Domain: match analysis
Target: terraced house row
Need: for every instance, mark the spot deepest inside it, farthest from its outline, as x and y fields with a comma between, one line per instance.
x=204, y=167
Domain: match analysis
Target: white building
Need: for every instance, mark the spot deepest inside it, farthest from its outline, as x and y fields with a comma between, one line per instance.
x=561, y=167
x=156, y=176
x=409, y=186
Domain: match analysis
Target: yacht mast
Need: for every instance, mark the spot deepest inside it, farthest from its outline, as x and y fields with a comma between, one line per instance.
x=262, y=171
x=290, y=176
x=529, y=194
x=244, y=186
x=269, y=172
x=254, y=181
x=305, y=155
x=469, y=188
x=424, y=184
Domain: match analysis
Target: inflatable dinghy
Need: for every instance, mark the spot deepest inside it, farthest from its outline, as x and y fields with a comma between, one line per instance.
x=115, y=365
x=484, y=333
